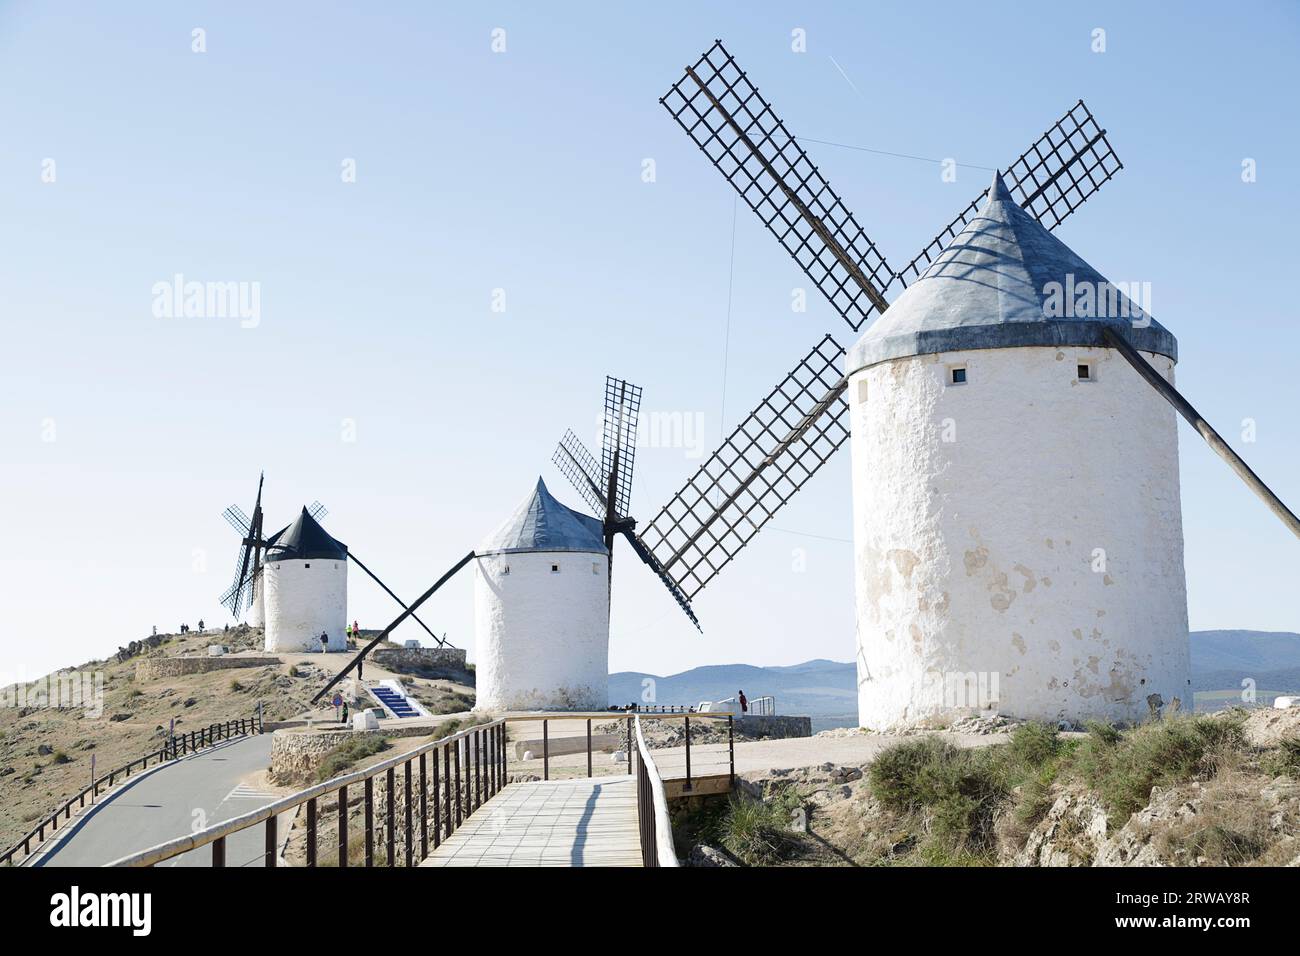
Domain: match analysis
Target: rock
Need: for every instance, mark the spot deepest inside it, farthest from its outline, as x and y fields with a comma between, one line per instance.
x=1070, y=835
x=704, y=855
x=44, y=750
x=984, y=724
x=118, y=718
x=190, y=701
x=799, y=820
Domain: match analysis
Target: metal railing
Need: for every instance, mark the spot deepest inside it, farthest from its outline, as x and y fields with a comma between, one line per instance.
x=653, y=823
x=763, y=706
x=433, y=796
x=455, y=796
x=177, y=746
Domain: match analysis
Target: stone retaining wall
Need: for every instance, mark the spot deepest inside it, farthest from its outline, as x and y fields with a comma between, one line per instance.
x=153, y=667
x=421, y=661
x=756, y=725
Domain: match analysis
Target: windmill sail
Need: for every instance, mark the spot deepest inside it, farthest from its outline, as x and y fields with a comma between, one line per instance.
x=759, y=468
x=1051, y=179
x=802, y=422
x=724, y=114
x=618, y=444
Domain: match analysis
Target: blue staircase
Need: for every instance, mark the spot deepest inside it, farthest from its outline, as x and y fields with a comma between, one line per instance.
x=394, y=702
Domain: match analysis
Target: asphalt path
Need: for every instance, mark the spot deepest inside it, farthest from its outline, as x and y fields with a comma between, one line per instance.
x=177, y=799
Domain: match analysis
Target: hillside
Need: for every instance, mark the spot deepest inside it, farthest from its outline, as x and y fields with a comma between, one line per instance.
x=45, y=752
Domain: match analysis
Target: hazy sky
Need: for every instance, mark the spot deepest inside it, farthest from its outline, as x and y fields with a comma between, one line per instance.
x=378, y=378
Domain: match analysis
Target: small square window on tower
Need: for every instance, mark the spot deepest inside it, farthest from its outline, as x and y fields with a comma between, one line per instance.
x=555, y=569
x=306, y=565
x=595, y=567
x=862, y=391
x=1086, y=373
x=957, y=375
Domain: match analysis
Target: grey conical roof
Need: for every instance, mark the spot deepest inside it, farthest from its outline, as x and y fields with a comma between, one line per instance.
x=541, y=523
x=305, y=539
x=991, y=288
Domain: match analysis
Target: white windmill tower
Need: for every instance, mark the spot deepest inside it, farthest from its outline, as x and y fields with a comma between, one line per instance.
x=1043, y=546
x=541, y=610
x=305, y=576
x=542, y=582
x=1015, y=549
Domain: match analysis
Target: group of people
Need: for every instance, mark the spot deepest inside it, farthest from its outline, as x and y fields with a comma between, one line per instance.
x=351, y=630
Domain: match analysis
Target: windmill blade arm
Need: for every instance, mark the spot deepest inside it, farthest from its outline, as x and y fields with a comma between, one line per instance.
x=757, y=470
x=618, y=441
x=383, y=635
x=727, y=118
x=1056, y=175
x=579, y=466
x=1212, y=437
x=646, y=555
x=389, y=591
x=236, y=518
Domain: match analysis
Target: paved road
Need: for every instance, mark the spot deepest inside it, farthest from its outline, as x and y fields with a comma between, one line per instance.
x=167, y=803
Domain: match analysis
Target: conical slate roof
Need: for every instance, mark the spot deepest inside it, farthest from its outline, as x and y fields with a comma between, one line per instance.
x=1005, y=281
x=543, y=524
x=305, y=539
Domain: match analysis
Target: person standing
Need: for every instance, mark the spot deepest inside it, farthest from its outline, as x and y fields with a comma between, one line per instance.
x=744, y=701
x=324, y=641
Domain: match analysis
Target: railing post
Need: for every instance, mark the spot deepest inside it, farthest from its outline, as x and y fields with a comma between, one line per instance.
x=731, y=750
x=455, y=746
x=546, y=751
x=311, y=832
x=589, y=747
x=478, y=769
x=391, y=794
x=424, y=809
x=343, y=826
x=370, y=821
x=505, y=754
x=629, y=746
x=446, y=774
x=219, y=852
x=688, y=755
x=437, y=816
x=271, y=841
x=410, y=846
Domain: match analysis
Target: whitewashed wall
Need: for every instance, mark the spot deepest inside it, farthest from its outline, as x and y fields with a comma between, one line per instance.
x=304, y=598
x=982, y=516
x=542, y=637
x=257, y=610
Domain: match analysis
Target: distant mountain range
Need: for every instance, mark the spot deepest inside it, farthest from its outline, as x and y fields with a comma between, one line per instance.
x=826, y=690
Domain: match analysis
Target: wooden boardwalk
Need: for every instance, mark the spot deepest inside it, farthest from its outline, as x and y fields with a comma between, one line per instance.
x=590, y=821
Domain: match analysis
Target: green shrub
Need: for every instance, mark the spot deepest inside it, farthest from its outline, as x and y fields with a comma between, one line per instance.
x=1122, y=768
x=342, y=757
x=1285, y=761
x=757, y=833
x=60, y=757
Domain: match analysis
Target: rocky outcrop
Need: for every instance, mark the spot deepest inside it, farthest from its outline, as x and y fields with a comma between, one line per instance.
x=1070, y=835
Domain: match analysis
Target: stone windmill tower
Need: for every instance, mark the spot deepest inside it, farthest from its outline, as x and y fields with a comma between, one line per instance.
x=541, y=610
x=1014, y=550
x=305, y=577
x=1017, y=523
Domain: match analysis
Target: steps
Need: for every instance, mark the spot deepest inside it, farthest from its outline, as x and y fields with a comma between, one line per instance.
x=393, y=702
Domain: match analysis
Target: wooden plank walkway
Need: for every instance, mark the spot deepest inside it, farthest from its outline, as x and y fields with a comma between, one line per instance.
x=590, y=821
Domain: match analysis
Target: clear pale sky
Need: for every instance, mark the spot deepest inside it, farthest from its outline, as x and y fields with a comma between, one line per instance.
x=124, y=435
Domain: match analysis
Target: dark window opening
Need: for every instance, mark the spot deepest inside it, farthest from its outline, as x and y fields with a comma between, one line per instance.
x=959, y=376
x=1085, y=373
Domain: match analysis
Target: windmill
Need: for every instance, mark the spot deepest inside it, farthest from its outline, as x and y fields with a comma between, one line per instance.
x=607, y=486
x=246, y=591
x=799, y=425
